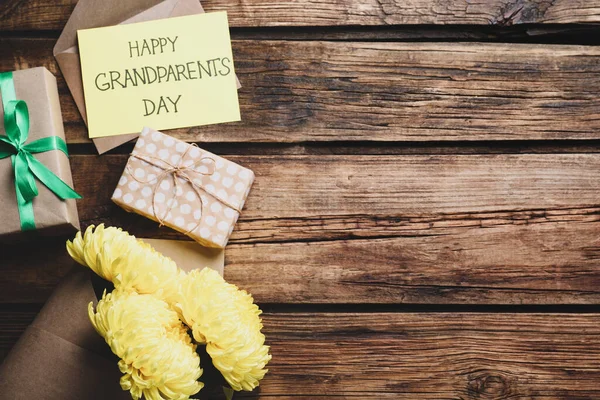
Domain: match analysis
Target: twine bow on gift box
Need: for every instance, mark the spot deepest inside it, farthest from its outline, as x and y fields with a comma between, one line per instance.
x=25, y=166
x=179, y=170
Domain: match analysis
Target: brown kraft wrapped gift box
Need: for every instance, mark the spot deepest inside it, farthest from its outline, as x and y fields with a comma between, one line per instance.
x=53, y=216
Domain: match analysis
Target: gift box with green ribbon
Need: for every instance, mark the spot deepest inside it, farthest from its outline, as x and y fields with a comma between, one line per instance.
x=36, y=187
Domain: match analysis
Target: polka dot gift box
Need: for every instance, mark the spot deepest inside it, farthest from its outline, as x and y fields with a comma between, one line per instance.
x=184, y=187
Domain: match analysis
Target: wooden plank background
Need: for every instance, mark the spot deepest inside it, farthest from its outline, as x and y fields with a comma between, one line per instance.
x=315, y=91
x=52, y=14
x=424, y=356
x=425, y=221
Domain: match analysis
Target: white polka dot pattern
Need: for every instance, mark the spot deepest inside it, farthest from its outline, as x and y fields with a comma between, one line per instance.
x=133, y=185
x=222, y=185
x=194, y=153
x=164, y=154
x=181, y=147
x=168, y=142
x=191, y=196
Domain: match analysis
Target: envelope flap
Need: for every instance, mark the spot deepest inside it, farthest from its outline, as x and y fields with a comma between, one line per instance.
x=183, y=8
x=94, y=14
x=161, y=10
x=71, y=69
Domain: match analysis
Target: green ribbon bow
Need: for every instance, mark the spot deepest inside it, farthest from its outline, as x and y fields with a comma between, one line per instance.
x=26, y=167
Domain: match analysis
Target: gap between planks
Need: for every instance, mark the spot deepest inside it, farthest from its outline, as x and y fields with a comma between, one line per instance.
x=571, y=34
x=376, y=148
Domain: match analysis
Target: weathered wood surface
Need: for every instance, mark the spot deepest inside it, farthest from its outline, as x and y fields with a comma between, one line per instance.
x=471, y=229
x=551, y=263
x=340, y=197
x=420, y=356
x=13, y=321
x=298, y=91
x=52, y=14
x=330, y=227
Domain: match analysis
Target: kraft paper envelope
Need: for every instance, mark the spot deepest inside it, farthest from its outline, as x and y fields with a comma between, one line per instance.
x=61, y=357
x=98, y=13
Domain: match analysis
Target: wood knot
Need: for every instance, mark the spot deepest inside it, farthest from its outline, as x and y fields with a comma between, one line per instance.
x=522, y=12
x=489, y=385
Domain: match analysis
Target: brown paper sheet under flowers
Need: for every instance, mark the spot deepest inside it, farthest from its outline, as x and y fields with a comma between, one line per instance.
x=53, y=216
x=184, y=187
x=61, y=357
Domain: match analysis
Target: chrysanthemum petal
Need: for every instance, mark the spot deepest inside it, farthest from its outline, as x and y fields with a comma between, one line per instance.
x=158, y=359
x=228, y=322
x=129, y=263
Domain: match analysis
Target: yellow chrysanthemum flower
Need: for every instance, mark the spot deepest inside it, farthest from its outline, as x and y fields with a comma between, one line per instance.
x=140, y=319
x=227, y=320
x=158, y=359
x=126, y=261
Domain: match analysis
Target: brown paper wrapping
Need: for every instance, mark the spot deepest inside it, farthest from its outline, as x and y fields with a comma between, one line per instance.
x=53, y=216
x=205, y=205
x=61, y=357
x=94, y=14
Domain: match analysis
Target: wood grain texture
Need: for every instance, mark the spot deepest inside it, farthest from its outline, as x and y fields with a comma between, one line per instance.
x=295, y=92
x=390, y=12
x=433, y=356
x=13, y=321
x=305, y=197
x=52, y=15
x=547, y=263
x=383, y=232
x=420, y=356
x=471, y=229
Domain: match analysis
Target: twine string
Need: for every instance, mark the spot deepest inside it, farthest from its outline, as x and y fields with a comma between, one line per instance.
x=178, y=170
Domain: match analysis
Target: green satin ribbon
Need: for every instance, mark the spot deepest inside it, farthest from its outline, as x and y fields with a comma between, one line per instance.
x=26, y=167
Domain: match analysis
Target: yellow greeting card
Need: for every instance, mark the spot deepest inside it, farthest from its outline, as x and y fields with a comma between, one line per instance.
x=168, y=73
